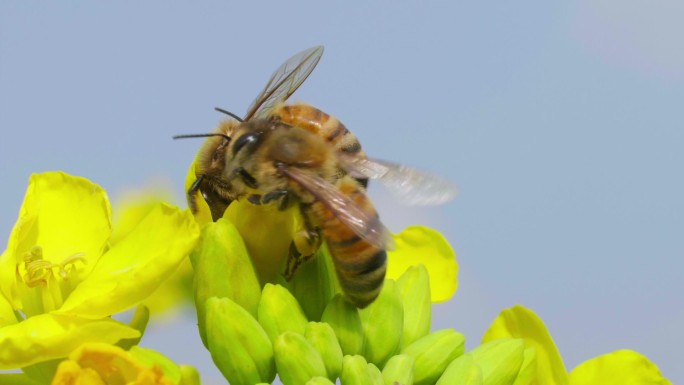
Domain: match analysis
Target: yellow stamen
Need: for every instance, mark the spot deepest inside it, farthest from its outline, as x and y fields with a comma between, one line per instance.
x=39, y=271
x=71, y=262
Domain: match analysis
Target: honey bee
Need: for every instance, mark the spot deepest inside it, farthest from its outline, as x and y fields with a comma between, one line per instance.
x=298, y=155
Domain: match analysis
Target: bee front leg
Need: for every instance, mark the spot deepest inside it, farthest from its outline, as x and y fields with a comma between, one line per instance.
x=283, y=195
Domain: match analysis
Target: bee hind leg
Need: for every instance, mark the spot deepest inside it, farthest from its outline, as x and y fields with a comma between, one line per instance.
x=305, y=243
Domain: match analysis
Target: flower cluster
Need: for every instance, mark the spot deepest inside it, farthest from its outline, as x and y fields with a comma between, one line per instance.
x=254, y=334
x=67, y=269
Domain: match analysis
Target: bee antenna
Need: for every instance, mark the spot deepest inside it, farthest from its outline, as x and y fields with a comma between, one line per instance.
x=201, y=136
x=232, y=115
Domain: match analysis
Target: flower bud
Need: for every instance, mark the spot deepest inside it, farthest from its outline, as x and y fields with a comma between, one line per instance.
x=434, y=352
x=382, y=323
x=355, y=371
x=296, y=359
x=323, y=339
x=189, y=376
x=223, y=269
x=375, y=375
x=319, y=381
x=462, y=371
x=414, y=286
x=238, y=345
x=279, y=312
x=399, y=369
x=500, y=360
x=315, y=283
x=344, y=318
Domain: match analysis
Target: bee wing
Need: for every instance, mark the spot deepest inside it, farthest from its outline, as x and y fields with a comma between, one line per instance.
x=285, y=81
x=366, y=226
x=409, y=185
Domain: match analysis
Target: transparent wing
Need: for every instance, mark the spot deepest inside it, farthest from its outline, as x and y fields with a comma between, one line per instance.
x=365, y=225
x=409, y=185
x=285, y=81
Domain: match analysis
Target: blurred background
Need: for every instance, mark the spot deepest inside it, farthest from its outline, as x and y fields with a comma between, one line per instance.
x=561, y=123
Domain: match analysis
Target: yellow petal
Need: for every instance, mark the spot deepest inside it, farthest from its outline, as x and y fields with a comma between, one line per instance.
x=175, y=291
x=267, y=233
x=48, y=336
x=63, y=214
x=421, y=245
x=70, y=373
x=622, y=367
x=520, y=322
x=134, y=268
x=203, y=214
x=7, y=316
x=133, y=208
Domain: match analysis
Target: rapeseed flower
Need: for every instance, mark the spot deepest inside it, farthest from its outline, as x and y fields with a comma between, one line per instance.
x=62, y=275
x=103, y=364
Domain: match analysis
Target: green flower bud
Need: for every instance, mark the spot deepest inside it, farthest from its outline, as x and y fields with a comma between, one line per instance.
x=433, y=353
x=323, y=338
x=382, y=323
x=462, y=371
x=528, y=370
x=238, y=345
x=223, y=269
x=414, y=286
x=152, y=358
x=355, y=371
x=315, y=283
x=189, y=376
x=399, y=369
x=344, y=318
x=319, y=381
x=500, y=360
x=279, y=312
x=296, y=359
x=375, y=375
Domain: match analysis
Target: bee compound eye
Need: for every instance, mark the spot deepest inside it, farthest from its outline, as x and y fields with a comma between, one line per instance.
x=245, y=139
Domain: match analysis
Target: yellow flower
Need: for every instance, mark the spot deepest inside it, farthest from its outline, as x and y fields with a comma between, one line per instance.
x=622, y=367
x=102, y=364
x=61, y=276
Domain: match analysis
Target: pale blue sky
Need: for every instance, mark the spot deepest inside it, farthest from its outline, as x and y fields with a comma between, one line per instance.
x=562, y=125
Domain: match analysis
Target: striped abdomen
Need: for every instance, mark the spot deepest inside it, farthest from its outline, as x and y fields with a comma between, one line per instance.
x=326, y=126
x=314, y=120
x=360, y=265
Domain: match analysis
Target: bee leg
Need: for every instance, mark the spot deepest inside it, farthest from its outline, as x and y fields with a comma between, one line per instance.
x=192, y=191
x=305, y=243
x=275, y=194
x=303, y=240
x=254, y=199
